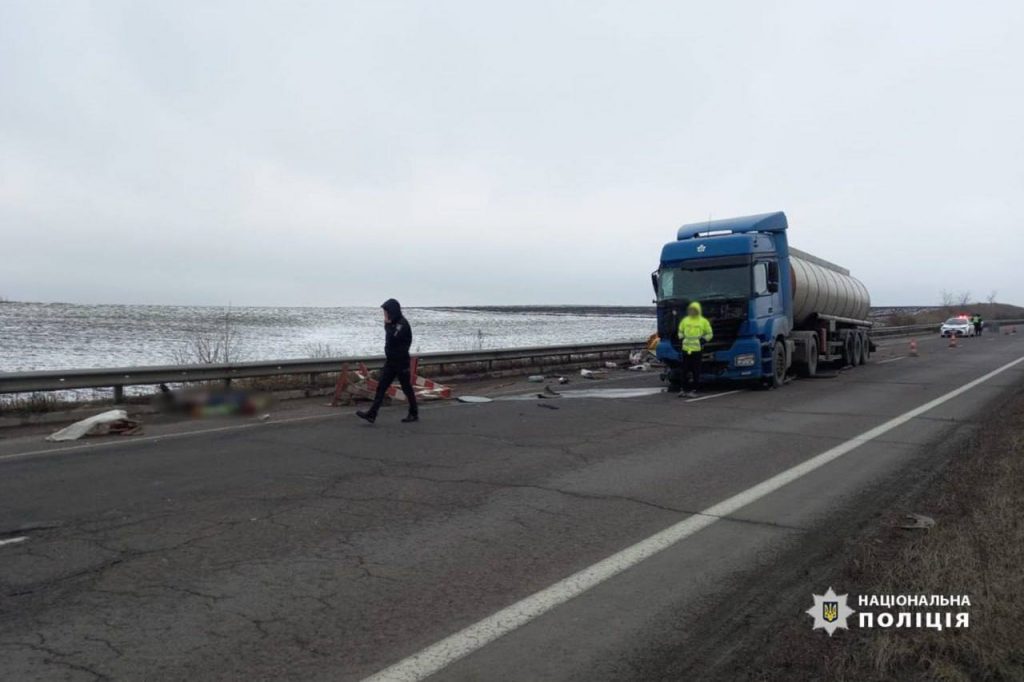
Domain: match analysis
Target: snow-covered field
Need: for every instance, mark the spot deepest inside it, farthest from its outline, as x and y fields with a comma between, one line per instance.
x=62, y=336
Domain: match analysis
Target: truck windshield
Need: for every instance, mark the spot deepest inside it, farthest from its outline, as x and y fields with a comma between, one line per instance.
x=704, y=283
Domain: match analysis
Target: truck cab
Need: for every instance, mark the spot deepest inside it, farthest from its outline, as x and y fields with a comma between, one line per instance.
x=734, y=268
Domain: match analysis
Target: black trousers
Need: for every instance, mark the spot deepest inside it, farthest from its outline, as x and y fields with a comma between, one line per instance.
x=387, y=376
x=691, y=371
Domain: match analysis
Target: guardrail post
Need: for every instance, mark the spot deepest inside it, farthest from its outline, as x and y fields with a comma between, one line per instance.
x=118, y=395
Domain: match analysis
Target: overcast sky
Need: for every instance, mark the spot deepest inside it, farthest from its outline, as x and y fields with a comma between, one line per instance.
x=306, y=153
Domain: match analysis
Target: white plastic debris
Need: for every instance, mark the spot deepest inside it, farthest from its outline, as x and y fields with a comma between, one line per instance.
x=473, y=399
x=535, y=378
x=611, y=365
x=80, y=428
x=642, y=367
x=592, y=374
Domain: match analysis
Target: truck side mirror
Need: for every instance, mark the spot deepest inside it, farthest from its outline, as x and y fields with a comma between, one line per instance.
x=654, y=281
x=773, y=286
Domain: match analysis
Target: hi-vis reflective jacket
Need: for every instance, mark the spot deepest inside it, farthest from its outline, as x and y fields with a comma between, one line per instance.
x=694, y=330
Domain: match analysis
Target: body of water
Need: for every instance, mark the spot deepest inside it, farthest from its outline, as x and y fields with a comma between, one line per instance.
x=36, y=336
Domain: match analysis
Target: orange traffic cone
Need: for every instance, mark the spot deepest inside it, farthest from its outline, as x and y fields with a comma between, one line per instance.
x=913, y=348
x=952, y=340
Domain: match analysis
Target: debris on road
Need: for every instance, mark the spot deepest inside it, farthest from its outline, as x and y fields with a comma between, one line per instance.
x=551, y=392
x=535, y=378
x=918, y=521
x=109, y=422
x=548, y=406
x=563, y=380
x=474, y=399
x=611, y=365
x=593, y=373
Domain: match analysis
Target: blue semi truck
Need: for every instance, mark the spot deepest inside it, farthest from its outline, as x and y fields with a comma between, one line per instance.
x=773, y=309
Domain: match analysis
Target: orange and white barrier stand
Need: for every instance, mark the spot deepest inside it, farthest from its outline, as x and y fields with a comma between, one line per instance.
x=366, y=385
x=341, y=387
x=913, y=348
x=952, y=340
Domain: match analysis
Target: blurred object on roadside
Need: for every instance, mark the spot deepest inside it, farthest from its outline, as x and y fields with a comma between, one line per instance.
x=205, y=402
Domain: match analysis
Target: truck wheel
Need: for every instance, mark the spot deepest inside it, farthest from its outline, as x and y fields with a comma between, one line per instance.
x=866, y=349
x=810, y=368
x=675, y=378
x=857, y=355
x=778, y=377
x=847, y=349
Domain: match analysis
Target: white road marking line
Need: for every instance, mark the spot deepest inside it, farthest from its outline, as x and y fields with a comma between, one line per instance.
x=178, y=434
x=713, y=395
x=12, y=541
x=901, y=357
x=440, y=655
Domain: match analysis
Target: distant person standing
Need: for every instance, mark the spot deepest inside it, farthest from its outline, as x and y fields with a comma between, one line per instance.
x=694, y=332
x=397, y=340
x=978, y=324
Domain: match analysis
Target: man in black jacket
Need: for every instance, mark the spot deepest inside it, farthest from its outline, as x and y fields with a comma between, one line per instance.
x=397, y=339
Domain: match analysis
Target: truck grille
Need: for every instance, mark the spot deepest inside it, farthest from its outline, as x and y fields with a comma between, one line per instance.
x=724, y=327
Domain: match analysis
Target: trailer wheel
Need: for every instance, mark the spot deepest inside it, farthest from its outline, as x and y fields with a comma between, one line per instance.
x=858, y=349
x=847, y=348
x=810, y=368
x=778, y=377
x=866, y=349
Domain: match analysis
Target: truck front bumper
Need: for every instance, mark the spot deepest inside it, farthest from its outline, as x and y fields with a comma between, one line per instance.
x=740, y=362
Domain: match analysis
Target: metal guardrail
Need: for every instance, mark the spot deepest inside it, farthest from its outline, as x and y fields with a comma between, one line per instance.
x=486, y=360
x=120, y=377
x=889, y=332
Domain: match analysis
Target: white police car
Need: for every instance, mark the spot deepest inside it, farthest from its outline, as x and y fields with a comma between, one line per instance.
x=957, y=326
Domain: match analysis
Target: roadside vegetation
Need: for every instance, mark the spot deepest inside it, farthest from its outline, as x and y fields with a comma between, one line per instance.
x=211, y=347
x=954, y=304
x=976, y=548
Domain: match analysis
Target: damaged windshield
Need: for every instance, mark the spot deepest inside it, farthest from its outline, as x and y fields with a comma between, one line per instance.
x=693, y=283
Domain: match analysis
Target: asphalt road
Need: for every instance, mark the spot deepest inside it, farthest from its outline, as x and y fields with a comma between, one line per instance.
x=323, y=548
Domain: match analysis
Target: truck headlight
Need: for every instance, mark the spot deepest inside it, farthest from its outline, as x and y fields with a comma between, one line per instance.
x=744, y=360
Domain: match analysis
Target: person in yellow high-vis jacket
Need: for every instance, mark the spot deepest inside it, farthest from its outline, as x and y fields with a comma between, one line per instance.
x=694, y=332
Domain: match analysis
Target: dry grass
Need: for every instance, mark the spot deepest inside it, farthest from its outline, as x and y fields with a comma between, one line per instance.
x=19, y=403
x=976, y=548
